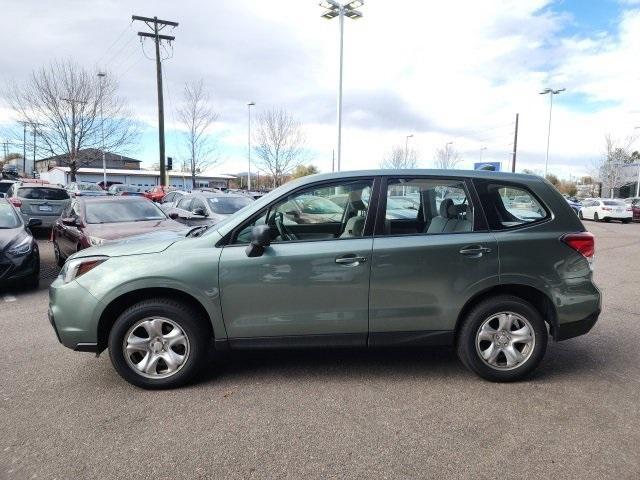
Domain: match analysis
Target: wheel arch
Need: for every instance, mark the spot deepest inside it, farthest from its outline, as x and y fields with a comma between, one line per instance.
x=124, y=301
x=534, y=296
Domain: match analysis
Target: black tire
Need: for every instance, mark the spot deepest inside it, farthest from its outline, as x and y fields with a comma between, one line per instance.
x=596, y=218
x=189, y=321
x=580, y=215
x=626, y=220
x=56, y=251
x=33, y=281
x=466, y=338
x=607, y=220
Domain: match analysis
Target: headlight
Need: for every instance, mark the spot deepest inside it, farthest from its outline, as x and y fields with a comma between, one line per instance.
x=79, y=266
x=95, y=241
x=21, y=248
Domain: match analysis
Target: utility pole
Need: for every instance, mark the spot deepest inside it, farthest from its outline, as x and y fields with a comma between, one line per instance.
x=515, y=145
x=101, y=76
x=249, y=105
x=24, y=146
x=73, y=165
x=551, y=93
x=157, y=25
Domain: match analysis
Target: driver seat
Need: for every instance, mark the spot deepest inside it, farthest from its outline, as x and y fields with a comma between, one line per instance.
x=354, y=226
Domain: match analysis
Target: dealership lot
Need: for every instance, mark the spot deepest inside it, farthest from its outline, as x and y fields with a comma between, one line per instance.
x=318, y=414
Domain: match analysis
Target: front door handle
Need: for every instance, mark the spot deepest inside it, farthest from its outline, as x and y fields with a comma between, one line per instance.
x=474, y=250
x=351, y=260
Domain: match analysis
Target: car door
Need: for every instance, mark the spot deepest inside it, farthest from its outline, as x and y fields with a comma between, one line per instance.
x=71, y=233
x=309, y=287
x=425, y=268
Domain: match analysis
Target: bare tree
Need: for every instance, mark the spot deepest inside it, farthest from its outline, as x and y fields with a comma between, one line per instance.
x=64, y=103
x=197, y=115
x=279, y=144
x=608, y=168
x=447, y=157
x=399, y=157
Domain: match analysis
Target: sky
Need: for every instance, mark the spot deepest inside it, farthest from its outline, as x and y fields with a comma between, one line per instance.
x=442, y=71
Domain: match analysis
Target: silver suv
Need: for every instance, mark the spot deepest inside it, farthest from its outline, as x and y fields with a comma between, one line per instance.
x=43, y=202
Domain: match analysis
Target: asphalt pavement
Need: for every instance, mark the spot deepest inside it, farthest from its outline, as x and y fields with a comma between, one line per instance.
x=331, y=413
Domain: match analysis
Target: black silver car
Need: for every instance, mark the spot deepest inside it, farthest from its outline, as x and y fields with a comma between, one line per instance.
x=207, y=208
x=19, y=255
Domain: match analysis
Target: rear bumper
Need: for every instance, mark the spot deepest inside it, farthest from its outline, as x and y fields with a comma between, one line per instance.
x=47, y=220
x=575, y=329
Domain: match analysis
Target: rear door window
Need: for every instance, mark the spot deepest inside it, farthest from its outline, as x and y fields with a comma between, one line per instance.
x=42, y=193
x=509, y=206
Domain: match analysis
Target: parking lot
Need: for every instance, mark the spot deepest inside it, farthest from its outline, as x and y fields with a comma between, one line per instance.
x=331, y=413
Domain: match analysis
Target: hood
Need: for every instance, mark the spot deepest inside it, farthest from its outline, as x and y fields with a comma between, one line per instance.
x=120, y=230
x=154, y=242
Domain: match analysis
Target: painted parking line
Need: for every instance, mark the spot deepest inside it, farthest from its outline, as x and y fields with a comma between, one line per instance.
x=9, y=298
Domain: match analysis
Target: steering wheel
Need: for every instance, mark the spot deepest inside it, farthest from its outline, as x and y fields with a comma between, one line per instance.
x=282, y=230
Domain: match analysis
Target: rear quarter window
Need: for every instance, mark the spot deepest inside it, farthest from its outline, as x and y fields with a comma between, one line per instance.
x=509, y=205
x=42, y=193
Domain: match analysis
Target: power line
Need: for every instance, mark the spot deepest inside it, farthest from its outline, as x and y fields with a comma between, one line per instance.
x=114, y=42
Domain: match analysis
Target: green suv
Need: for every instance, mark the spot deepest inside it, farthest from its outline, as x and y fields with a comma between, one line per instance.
x=491, y=263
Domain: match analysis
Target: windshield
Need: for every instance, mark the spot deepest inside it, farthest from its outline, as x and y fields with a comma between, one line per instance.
x=401, y=204
x=42, y=193
x=8, y=217
x=228, y=205
x=614, y=203
x=317, y=205
x=4, y=186
x=123, y=211
x=89, y=187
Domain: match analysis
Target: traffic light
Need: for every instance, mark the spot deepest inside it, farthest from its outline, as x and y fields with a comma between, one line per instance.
x=169, y=163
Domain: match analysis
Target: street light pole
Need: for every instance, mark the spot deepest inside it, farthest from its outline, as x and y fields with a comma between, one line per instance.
x=335, y=9
x=249, y=105
x=101, y=76
x=551, y=93
x=406, y=147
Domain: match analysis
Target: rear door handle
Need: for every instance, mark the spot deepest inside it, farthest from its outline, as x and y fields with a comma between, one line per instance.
x=474, y=250
x=351, y=260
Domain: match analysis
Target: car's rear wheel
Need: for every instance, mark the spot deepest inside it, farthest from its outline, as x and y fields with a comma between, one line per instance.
x=502, y=339
x=596, y=218
x=159, y=343
x=580, y=215
x=626, y=220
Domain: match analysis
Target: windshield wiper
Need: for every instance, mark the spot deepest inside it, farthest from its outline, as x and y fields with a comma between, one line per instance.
x=197, y=231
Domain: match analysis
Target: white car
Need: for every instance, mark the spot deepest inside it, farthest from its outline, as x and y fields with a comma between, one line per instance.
x=171, y=199
x=605, y=209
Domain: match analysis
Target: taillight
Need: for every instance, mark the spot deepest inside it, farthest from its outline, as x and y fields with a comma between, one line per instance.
x=607, y=209
x=16, y=202
x=582, y=242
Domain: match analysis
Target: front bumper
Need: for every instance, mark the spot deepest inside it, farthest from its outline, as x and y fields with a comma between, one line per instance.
x=575, y=329
x=73, y=313
x=14, y=269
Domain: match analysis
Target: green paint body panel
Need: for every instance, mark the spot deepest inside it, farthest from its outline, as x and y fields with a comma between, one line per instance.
x=412, y=283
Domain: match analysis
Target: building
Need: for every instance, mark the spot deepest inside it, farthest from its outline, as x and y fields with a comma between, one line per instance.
x=140, y=178
x=90, y=158
x=626, y=182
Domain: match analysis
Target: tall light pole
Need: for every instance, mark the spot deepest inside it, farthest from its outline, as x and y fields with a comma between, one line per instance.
x=335, y=9
x=249, y=105
x=101, y=76
x=551, y=93
x=406, y=147
x=481, y=150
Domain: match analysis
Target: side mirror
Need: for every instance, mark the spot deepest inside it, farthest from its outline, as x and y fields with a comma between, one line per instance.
x=34, y=222
x=260, y=239
x=72, y=222
x=174, y=215
x=200, y=212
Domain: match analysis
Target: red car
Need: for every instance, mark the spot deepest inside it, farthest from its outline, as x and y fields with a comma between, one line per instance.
x=635, y=207
x=92, y=221
x=157, y=193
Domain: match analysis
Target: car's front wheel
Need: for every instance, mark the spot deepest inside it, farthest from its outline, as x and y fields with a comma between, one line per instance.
x=159, y=343
x=502, y=339
x=596, y=218
x=580, y=215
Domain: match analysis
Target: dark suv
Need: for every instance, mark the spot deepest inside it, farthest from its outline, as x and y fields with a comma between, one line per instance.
x=491, y=263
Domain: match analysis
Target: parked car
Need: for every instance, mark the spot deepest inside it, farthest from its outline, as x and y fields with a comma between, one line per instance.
x=574, y=204
x=84, y=189
x=204, y=208
x=635, y=208
x=106, y=186
x=492, y=284
x=604, y=209
x=4, y=186
x=43, y=202
x=122, y=189
x=158, y=192
x=171, y=199
x=90, y=221
x=19, y=254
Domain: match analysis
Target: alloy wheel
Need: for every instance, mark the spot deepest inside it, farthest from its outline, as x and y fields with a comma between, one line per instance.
x=156, y=347
x=505, y=341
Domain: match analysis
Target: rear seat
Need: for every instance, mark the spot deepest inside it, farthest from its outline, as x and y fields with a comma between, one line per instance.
x=449, y=221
